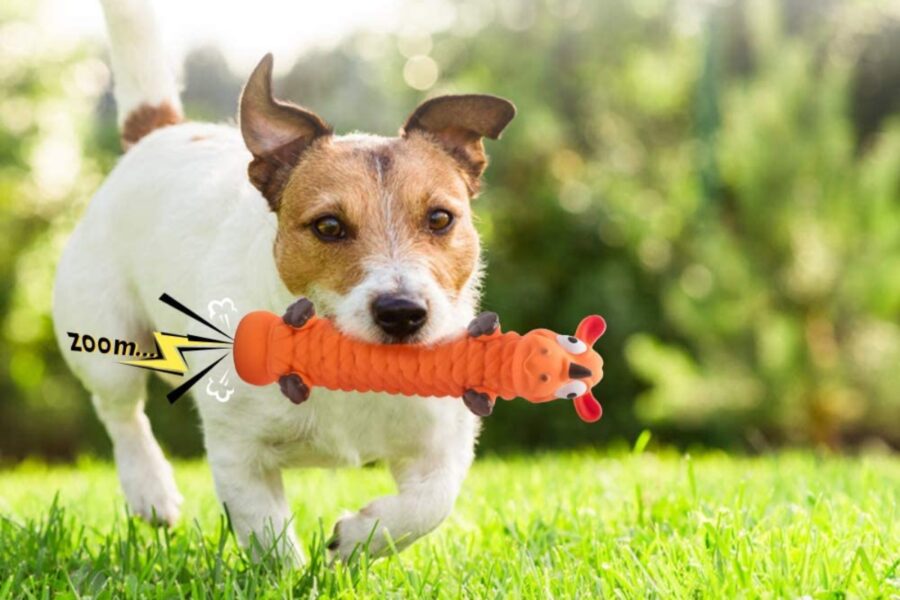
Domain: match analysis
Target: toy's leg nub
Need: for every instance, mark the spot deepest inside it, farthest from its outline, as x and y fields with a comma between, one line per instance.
x=484, y=324
x=293, y=388
x=479, y=403
x=299, y=313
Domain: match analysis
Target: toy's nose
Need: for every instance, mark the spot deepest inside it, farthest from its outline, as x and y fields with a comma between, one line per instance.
x=398, y=317
x=577, y=371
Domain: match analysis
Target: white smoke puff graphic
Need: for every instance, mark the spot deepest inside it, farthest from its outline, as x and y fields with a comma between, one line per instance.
x=223, y=314
x=221, y=390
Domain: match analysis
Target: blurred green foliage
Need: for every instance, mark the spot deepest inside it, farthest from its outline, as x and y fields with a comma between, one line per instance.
x=721, y=181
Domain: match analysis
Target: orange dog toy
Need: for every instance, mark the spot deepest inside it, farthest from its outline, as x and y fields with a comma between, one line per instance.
x=300, y=351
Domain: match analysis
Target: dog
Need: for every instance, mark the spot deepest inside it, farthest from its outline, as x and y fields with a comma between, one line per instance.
x=376, y=231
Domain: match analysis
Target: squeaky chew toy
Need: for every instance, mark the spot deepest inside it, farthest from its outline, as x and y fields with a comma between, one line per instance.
x=300, y=350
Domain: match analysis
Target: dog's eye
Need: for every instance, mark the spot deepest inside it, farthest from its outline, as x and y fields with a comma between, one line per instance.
x=329, y=229
x=439, y=220
x=571, y=343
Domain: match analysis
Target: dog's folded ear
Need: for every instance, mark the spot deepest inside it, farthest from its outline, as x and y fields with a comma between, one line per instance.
x=275, y=132
x=458, y=123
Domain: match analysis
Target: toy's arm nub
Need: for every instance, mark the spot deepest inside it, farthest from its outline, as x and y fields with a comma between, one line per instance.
x=486, y=323
x=292, y=385
x=298, y=313
x=479, y=402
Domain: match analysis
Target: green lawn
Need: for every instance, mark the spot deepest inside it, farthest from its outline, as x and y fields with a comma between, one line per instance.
x=551, y=525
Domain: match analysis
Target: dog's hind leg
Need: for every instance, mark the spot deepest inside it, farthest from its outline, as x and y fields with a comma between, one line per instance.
x=146, y=476
x=91, y=299
x=118, y=392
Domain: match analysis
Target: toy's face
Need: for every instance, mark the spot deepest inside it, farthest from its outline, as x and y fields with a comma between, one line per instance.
x=563, y=366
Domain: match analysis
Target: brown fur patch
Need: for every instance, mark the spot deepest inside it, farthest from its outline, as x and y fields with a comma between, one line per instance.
x=382, y=158
x=467, y=150
x=382, y=189
x=145, y=118
x=426, y=178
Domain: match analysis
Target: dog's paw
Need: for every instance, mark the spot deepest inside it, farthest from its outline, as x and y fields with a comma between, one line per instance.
x=356, y=533
x=276, y=548
x=158, y=505
x=150, y=489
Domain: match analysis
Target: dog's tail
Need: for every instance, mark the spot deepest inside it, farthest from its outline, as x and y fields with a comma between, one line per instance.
x=144, y=84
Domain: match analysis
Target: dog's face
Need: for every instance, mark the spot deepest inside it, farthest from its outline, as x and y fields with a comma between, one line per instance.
x=377, y=231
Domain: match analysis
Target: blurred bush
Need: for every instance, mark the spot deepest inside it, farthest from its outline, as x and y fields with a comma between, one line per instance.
x=721, y=181
x=782, y=286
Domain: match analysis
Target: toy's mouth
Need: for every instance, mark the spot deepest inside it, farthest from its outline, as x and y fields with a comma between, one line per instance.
x=588, y=408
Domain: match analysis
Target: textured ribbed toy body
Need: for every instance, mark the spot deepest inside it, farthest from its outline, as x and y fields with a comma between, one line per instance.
x=301, y=351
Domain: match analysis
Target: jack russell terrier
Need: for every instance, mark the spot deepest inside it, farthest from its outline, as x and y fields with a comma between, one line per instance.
x=376, y=231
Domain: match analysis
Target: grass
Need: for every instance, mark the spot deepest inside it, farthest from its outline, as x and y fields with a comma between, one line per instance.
x=568, y=525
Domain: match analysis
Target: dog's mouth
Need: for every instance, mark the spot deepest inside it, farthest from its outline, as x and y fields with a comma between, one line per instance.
x=417, y=338
x=371, y=333
x=394, y=318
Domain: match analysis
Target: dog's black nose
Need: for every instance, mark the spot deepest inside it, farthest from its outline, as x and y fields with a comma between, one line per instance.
x=397, y=316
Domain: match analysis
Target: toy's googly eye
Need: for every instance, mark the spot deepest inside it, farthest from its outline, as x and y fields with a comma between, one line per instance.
x=571, y=390
x=572, y=344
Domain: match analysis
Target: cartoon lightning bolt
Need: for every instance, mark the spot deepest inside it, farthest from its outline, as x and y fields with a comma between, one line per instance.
x=170, y=349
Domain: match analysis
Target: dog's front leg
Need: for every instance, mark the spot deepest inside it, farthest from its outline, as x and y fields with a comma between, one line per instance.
x=253, y=495
x=427, y=489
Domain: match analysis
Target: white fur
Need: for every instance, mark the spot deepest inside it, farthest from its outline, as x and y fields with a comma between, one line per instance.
x=143, y=74
x=178, y=215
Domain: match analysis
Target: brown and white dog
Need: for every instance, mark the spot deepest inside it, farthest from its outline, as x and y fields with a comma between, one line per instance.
x=377, y=231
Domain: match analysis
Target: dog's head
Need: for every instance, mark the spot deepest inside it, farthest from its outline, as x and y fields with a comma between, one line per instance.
x=377, y=231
